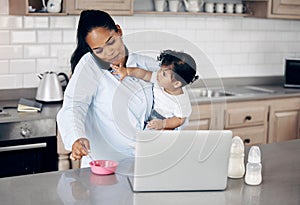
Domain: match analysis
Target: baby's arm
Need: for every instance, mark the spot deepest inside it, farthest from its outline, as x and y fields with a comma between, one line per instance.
x=166, y=124
x=131, y=71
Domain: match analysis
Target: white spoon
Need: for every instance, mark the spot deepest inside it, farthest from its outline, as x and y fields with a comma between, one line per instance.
x=88, y=151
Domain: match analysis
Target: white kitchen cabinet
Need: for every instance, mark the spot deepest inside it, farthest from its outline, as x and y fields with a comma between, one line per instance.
x=281, y=9
x=284, y=120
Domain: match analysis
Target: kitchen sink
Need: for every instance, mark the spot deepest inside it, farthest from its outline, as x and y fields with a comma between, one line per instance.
x=229, y=92
x=208, y=93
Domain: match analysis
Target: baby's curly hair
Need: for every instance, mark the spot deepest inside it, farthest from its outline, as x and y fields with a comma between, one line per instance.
x=182, y=64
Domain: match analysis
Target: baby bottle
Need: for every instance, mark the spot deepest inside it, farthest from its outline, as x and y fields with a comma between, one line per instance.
x=236, y=167
x=253, y=170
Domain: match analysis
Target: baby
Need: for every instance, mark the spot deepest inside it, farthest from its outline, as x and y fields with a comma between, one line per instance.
x=171, y=105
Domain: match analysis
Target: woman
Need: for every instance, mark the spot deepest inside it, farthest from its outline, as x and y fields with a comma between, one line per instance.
x=99, y=113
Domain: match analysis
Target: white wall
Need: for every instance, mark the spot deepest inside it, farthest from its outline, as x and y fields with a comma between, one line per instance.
x=236, y=46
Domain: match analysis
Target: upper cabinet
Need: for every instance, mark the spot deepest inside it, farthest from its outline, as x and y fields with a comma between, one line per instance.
x=39, y=7
x=281, y=9
x=33, y=7
x=114, y=7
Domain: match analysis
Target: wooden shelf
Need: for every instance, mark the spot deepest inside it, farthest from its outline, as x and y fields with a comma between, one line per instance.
x=191, y=13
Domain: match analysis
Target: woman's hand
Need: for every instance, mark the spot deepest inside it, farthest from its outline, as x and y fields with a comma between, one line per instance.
x=80, y=148
x=119, y=70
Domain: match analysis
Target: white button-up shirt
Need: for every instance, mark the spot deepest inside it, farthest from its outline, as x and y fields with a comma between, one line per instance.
x=106, y=111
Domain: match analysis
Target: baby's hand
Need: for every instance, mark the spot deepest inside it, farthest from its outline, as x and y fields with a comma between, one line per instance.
x=119, y=70
x=156, y=124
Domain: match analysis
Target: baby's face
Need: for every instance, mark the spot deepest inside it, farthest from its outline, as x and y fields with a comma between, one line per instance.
x=165, y=77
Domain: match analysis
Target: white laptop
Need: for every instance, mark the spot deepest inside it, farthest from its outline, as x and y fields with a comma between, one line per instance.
x=186, y=160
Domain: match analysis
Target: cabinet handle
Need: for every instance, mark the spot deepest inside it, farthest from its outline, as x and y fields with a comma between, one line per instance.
x=248, y=117
x=22, y=147
x=247, y=141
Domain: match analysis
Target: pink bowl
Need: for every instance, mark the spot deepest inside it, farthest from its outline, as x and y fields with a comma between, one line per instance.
x=103, y=167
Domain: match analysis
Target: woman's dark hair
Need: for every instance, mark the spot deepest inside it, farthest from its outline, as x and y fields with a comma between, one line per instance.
x=89, y=20
x=182, y=64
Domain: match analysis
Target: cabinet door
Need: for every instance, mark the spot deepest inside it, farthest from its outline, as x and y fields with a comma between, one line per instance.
x=206, y=117
x=200, y=118
x=252, y=135
x=114, y=7
x=284, y=120
x=286, y=7
x=243, y=114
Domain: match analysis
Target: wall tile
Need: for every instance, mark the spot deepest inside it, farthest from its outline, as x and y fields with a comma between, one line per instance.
x=11, y=52
x=273, y=58
x=11, y=81
x=231, y=47
x=134, y=22
x=30, y=80
x=295, y=25
x=265, y=24
x=36, y=22
x=4, y=67
x=258, y=36
x=11, y=22
x=282, y=25
x=56, y=49
x=23, y=37
x=249, y=24
x=4, y=37
x=49, y=36
x=36, y=51
x=22, y=66
x=62, y=22
x=240, y=59
x=152, y=22
x=69, y=36
x=214, y=23
x=222, y=59
x=195, y=23
x=256, y=58
x=47, y=64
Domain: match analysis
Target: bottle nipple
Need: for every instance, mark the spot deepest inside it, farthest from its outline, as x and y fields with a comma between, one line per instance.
x=237, y=146
x=254, y=155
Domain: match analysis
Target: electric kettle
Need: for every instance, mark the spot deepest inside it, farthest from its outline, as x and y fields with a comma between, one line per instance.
x=50, y=88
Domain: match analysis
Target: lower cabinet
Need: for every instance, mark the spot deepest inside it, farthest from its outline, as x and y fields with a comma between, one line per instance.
x=284, y=120
x=248, y=120
x=252, y=135
x=256, y=121
x=206, y=117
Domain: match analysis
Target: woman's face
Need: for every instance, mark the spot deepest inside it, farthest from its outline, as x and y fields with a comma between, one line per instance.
x=107, y=45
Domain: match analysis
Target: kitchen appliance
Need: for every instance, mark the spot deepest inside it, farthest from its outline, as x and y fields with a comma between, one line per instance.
x=27, y=147
x=50, y=87
x=292, y=72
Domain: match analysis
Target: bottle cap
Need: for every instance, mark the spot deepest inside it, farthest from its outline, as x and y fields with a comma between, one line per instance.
x=254, y=155
x=237, y=146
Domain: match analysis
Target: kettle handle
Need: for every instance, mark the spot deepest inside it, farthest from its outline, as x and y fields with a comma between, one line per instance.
x=65, y=76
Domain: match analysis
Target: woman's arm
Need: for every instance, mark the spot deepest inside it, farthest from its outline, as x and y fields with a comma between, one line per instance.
x=132, y=71
x=166, y=124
